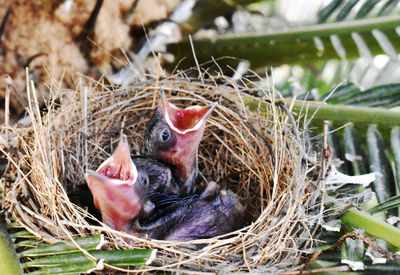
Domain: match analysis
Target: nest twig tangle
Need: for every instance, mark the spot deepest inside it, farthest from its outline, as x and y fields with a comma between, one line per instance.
x=257, y=154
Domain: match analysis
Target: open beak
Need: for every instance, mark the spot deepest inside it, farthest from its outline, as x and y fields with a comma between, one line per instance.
x=188, y=127
x=113, y=188
x=183, y=121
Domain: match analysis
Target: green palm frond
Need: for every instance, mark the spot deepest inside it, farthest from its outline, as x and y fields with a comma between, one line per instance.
x=370, y=30
x=391, y=203
x=330, y=8
x=339, y=40
x=395, y=146
x=384, y=184
x=379, y=96
x=9, y=261
x=38, y=257
x=371, y=153
x=346, y=33
x=88, y=243
x=74, y=263
x=342, y=9
x=370, y=143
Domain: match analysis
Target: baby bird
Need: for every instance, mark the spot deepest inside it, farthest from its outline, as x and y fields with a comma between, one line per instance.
x=118, y=188
x=159, y=174
x=131, y=201
x=173, y=136
x=214, y=212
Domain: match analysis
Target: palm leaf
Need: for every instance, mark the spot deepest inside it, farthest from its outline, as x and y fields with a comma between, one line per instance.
x=378, y=160
x=354, y=151
x=366, y=8
x=384, y=185
x=384, y=95
x=395, y=145
x=88, y=243
x=80, y=263
x=344, y=12
x=344, y=8
x=38, y=257
x=296, y=45
x=374, y=156
x=329, y=9
x=9, y=261
x=301, y=46
x=389, y=5
x=391, y=203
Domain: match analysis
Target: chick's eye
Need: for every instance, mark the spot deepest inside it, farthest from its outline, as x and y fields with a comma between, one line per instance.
x=165, y=135
x=143, y=180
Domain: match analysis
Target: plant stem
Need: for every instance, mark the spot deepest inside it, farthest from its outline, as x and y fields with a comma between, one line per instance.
x=372, y=226
x=356, y=114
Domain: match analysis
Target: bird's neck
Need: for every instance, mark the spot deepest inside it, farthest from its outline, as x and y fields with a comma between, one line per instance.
x=187, y=173
x=184, y=165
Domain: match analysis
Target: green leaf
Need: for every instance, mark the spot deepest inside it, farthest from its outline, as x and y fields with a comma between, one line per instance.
x=296, y=46
x=352, y=145
x=388, y=7
x=343, y=93
x=391, y=203
x=328, y=10
x=358, y=115
x=15, y=225
x=117, y=258
x=384, y=184
x=387, y=95
x=383, y=269
x=372, y=226
x=66, y=269
x=366, y=8
x=384, y=95
x=87, y=243
x=346, y=9
x=23, y=234
x=395, y=144
x=9, y=261
x=30, y=243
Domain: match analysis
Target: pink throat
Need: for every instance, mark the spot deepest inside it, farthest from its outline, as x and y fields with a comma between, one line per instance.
x=183, y=159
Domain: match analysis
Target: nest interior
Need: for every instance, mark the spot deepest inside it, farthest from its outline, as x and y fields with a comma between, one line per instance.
x=79, y=129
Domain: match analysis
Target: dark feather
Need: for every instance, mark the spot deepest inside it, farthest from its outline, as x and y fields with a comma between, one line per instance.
x=159, y=174
x=191, y=217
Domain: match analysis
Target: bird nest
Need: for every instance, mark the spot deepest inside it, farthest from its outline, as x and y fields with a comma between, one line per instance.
x=258, y=154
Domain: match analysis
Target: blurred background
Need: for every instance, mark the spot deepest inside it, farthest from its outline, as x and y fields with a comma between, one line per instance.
x=312, y=46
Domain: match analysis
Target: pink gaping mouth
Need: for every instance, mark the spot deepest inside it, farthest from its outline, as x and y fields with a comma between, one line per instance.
x=113, y=188
x=185, y=120
x=188, y=118
x=116, y=172
x=120, y=166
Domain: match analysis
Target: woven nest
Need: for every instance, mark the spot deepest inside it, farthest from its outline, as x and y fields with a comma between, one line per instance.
x=80, y=128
